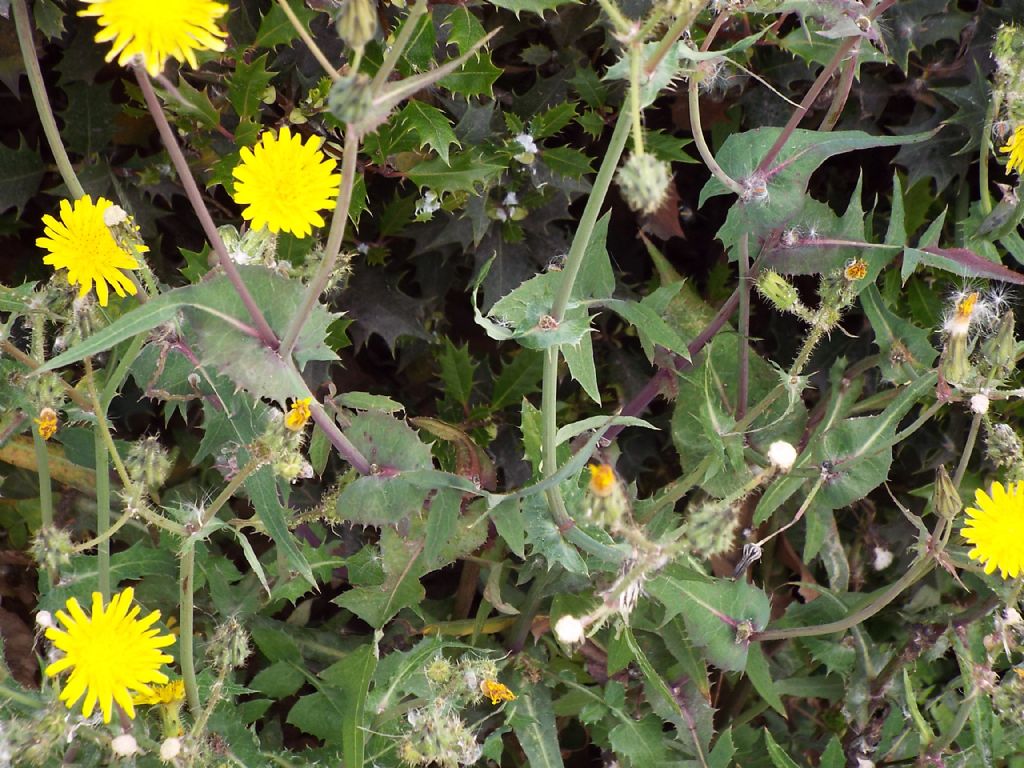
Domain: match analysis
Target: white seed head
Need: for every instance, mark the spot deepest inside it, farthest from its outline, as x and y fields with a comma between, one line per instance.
x=124, y=745
x=114, y=215
x=170, y=749
x=782, y=455
x=570, y=631
x=44, y=619
x=883, y=559
x=979, y=404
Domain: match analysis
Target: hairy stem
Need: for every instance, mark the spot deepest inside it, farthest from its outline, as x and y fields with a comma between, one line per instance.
x=965, y=455
x=266, y=334
x=45, y=484
x=42, y=101
x=842, y=94
x=985, y=146
x=333, y=247
x=102, y=511
x=185, y=619
x=395, y=51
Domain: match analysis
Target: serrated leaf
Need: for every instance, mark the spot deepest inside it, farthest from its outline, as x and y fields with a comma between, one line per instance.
x=531, y=6
x=247, y=85
x=431, y=126
x=465, y=172
x=457, y=371
x=275, y=27
x=567, y=161
x=760, y=675
x=640, y=742
x=520, y=377
x=533, y=723
x=959, y=261
x=21, y=170
x=89, y=117
x=777, y=754
x=652, y=328
x=906, y=350
x=262, y=490
x=553, y=120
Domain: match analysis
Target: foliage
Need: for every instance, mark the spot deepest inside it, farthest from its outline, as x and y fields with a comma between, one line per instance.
x=753, y=262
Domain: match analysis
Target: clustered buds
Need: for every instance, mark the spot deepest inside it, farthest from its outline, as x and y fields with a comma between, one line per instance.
x=643, y=180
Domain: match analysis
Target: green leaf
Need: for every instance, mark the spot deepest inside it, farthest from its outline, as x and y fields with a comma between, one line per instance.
x=906, y=350
x=959, y=261
x=652, y=328
x=431, y=127
x=553, y=120
x=580, y=359
x=364, y=401
x=351, y=681
x=777, y=754
x=641, y=742
x=508, y=521
x=21, y=170
x=760, y=675
x=262, y=491
x=533, y=723
x=458, y=370
x=567, y=161
x=465, y=172
x=442, y=525
x=712, y=611
x=721, y=755
x=518, y=378
x=547, y=540
x=476, y=76
x=89, y=117
x=531, y=6
x=248, y=84
x=833, y=756
x=275, y=28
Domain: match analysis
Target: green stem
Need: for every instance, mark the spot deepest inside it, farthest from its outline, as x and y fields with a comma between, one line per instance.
x=743, y=381
x=35, y=79
x=623, y=26
x=702, y=146
x=634, y=98
x=45, y=484
x=102, y=511
x=185, y=619
x=680, y=25
x=333, y=247
x=983, y=151
x=395, y=51
x=309, y=41
x=229, y=490
x=121, y=371
x=965, y=455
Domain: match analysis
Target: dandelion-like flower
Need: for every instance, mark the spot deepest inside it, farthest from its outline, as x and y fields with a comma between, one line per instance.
x=284, y=183
x=110, y=653
x=172, y=693
x=47, y=423
x=299, y=414
x=158, y=29
x=1015, y=146
x=965, y=311
x=83, y=244
x=996, y=529
x=496, y=692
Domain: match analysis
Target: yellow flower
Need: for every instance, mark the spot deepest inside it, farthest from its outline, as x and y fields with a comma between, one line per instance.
x=1016, y=149
x=83, y=244
x=856, y=270
x=110, y=653
x=172, y=693
x=602, y=480
x=496, y=692
x=156, y=29
x=996, y=529
x=47, y=423
x=284, y=183
x=299, y=414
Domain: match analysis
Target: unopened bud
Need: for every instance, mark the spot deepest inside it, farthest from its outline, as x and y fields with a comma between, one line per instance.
x=351, y=98
x=52, y=547
x=357, y=22
x=148, y=463
x=1000, y=349
x=1004, y=446
x=778, y=290
x=710, y=527
x=956, y=364
x=947, y=500
x=643, y=181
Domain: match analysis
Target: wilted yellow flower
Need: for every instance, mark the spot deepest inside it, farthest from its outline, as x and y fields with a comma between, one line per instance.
x=284, y=183
x=156, y=29
x=110, y=653
x=299, y=415
x=496, y=692
x=856, y=270
x=1015, y=147
x=82, y=244
x=47, y=423
x=958, y=322
x=996, y=529
x=602, y=480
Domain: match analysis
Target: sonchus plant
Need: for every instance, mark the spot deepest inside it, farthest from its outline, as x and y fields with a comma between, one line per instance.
x=511, y=383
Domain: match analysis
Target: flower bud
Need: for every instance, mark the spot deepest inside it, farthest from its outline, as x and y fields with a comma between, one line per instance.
x=1000, y=349
x=1004, y=446
x=782, y=455
x=52, y=547
x=643, y=181
x=570, y=631
x=357, y=22
x=124, y=745
x=351, y=99
x=956, y=364
x=947, y=500
x=777, y=290
x=710, y=527
x=148, y=463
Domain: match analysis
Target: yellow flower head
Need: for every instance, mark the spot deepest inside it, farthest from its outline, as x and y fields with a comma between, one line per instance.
x=109, y=653
x=173, y=693
x=299, y=415
x=83, y=244
x=284, y=183
x=1016, y=149
x=996, y=529
x=156, y=29
x=602, y=480
x=496, y=691
x=856, y=270
x=47, y=423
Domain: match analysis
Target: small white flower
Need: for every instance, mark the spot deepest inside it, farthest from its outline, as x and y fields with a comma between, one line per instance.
x=124, y=745
x=527, y=143
x=114, y=215
x=570, y=631
x=883, y=559
x=979, y=404
x=782, y=455
x=511, y=199
x=170, y=749
x=44, y=619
